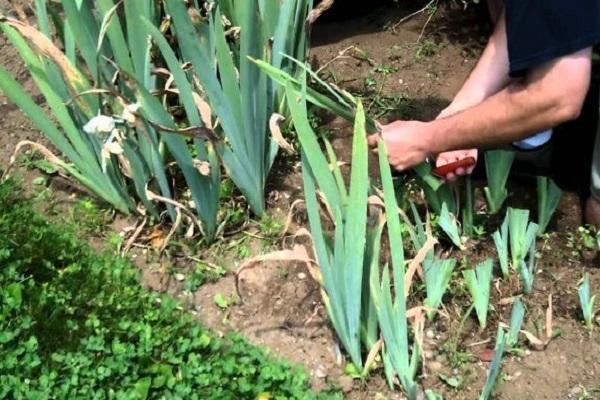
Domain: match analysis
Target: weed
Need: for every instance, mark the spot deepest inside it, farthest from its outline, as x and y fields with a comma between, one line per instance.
x=269, y=226
x=243, y=252
x=427, y=49
x=370, y=82
x=33, y=161
x=456, y=358
x=202, y=274
x=589, y=394
x=385, y=69
x=224, y=302
x=583, y=240
x=88, y=217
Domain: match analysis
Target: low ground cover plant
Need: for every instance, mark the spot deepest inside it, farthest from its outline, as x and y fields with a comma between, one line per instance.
x=75, y=324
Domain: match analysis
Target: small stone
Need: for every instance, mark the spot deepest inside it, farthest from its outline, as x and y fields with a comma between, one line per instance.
x=180, y=277
x=429, y=334
x=435, y=366
x=428, y=354
x=321, y=372
x=346, y=383
x=302, y=276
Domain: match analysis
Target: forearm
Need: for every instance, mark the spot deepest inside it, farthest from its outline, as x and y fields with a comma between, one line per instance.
x=490, y=75
x=519, y=110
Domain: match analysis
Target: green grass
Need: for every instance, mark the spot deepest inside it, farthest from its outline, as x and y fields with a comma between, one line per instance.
x=76, y=324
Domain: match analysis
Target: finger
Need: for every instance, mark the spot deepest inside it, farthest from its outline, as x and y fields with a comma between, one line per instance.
x=372, y=140
x=470, y=170
x=397, y=166
x=451, y=177
x=460, y=171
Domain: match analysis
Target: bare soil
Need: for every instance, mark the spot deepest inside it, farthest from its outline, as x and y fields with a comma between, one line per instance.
x=425, y=61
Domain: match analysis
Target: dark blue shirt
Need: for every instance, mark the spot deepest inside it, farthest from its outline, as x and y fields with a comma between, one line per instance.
x=539, y=31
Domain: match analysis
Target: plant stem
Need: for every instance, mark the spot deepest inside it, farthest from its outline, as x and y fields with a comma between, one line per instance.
x=467, y=212
x=461, y=326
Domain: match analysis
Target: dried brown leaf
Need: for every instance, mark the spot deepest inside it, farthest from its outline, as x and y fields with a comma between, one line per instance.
x=156, y=238
x=534, y=342
x=372, y=355
x=290, y=217
x=316, y=12
x=275, y=128
x=416, y=262
x=45, y=46
x=204, y=110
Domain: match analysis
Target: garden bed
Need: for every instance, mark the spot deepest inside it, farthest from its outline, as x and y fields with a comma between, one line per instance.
x=408, y=72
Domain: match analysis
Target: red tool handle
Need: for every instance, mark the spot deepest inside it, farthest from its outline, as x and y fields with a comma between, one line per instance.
x=445, y=169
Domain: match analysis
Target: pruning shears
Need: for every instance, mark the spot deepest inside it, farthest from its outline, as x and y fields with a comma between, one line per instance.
x=446, y=169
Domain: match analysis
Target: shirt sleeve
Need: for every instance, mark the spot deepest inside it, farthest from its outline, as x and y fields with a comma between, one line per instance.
x=539, y=31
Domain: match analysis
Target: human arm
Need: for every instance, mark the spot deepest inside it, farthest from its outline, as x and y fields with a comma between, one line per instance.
x=489, y=76
x=549, y=95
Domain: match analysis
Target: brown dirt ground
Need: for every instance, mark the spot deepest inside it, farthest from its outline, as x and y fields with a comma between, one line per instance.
x=281, y=307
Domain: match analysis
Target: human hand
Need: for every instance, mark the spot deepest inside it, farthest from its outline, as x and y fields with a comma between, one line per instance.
x=406, y=143
x=453, y=156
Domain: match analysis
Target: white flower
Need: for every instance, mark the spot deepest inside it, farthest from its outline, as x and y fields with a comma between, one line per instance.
x=129, y=112
x=100, y=125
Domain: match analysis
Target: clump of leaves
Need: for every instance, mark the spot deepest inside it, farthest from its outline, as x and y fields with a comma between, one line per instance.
x=587, y=301
x=478, y=282
x=497, y=165
x=585, y=240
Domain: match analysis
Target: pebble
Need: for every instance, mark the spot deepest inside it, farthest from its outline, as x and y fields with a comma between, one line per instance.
x=429, y=334
x=346, y=383
x=302, y=276
x=180, y=277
